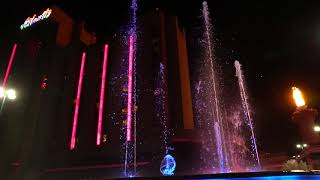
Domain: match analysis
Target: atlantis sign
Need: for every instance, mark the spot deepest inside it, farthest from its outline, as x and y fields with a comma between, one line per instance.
x=34, y=19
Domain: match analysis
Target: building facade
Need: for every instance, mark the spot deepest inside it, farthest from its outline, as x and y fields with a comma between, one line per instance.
x=37, y=128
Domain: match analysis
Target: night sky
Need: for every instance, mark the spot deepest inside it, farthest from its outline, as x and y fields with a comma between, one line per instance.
x=277, y=43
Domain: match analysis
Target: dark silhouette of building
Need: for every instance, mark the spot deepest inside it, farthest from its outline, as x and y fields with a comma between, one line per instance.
x=36, y=126
x=305, y=119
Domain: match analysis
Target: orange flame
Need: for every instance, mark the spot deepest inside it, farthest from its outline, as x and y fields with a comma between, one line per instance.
x=298, y=97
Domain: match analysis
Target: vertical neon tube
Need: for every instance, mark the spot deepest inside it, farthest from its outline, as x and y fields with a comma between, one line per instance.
x=102, y=90
x=4, y=83
x=129, y=108
x=76, y=111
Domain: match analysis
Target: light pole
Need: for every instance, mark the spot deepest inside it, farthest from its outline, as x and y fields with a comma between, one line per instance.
x=300, y=147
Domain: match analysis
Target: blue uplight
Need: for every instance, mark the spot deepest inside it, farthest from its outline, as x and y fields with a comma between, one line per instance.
x=168, y=165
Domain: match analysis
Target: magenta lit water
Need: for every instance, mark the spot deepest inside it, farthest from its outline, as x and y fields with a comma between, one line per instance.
x=246, y=107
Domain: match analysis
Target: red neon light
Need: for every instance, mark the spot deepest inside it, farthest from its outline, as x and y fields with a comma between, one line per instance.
x=103, y=82
x=76, y=111
x=4, y=83
x=129, y=114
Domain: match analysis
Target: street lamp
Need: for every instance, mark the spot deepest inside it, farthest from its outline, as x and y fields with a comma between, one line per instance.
x=301, y=146
x=10, y=94
x=304, y=145
x=4, y=94
x=316, y=128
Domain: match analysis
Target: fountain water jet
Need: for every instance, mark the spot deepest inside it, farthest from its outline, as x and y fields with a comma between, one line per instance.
x=223, y=125
x=245, y=104
x=217, y=120
x=160, y=95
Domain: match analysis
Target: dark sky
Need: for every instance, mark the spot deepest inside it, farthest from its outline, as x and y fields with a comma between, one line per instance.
x=277, y=43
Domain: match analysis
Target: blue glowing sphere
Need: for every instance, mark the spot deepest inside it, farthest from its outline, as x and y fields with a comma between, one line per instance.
x=168, y=165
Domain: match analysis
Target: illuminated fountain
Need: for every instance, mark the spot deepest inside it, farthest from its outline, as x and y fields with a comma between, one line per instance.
x=208, y=105
x=225, y=123
x=160, y=96
x=168, y=163
x=247, y=110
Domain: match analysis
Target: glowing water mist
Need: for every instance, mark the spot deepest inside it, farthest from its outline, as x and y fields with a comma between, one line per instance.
x=246, y=108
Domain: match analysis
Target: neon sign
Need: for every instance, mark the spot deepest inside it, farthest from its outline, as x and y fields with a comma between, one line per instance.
x=76, y=111
x=103, y=83
x=129, y=108
x=31, y=20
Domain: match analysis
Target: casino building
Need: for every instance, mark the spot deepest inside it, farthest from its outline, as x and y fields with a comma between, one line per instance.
x=43, y=72
x=53, y=52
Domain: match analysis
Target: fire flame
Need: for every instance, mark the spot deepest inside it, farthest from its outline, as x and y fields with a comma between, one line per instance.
x=298, y=97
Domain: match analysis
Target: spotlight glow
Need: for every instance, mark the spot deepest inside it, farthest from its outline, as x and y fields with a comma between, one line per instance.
x=316, y=128
x=4, y=83
x=76, y=111
x=129, y=112
x=102, y=91
x=305, y=145
x=11, y=94
x=2, y=92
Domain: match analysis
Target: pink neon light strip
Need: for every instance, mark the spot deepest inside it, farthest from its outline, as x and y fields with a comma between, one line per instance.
x=4, y=83
x=129, y=113
x=103, y=82
x=76, y=111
